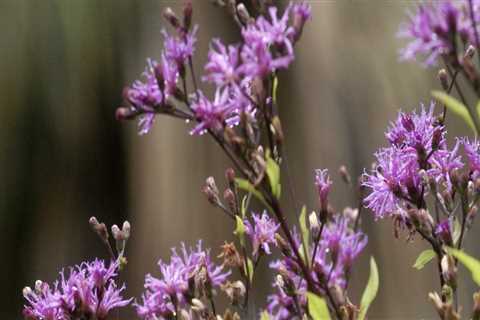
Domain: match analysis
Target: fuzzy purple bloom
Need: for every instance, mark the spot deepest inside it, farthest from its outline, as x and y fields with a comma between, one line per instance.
x=323, y=183
x=222, y=65
x=88, y=291
x=146, y=96
x=180, y=48
x=262, y=233
x=433, y=29
x=472, y=151
x=443, y=163
x=173, y=288
x=214, y=115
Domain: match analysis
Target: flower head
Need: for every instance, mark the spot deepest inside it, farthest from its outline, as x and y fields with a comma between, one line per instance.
x=472, y=151
x=433, y=30
x=262, y=233
x=88, y=291
x=222, y=65
x=173, y=287
x=323, y=183
x=181, y=47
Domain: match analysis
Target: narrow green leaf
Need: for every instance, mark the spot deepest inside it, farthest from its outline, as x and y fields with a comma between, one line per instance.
x=305, y=234
x=274, y=91
x=472, y=264
x=243, y=208
x=456, y=107
x=478, y=109
x=370, y=291
x=457, y=230
x=317, y=307
x=264, y=316
x=424, y=258
x=240, y=230
x=245, y=185
x=249, y=265
x=273, y=173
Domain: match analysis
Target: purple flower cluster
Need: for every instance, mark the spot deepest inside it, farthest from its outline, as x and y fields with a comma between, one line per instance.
x=88, y=292
x=189, y=274
x=262, y=233
x=434, y=28
x=418, y=154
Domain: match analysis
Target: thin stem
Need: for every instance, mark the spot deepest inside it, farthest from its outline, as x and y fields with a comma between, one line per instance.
x=317, y=241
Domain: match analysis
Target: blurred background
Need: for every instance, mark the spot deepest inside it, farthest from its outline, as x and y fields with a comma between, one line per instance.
x=64, y=158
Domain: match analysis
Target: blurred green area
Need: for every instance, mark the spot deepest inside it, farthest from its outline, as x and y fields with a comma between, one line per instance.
x=65, y=158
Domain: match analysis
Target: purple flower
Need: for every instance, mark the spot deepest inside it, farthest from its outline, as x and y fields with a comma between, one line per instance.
x=222, y=65
x=388, y=182
x=302, y=11
x=444, y=231
x=181, y=47
x=417, y=131
x=432, y=30
x=323, y=183
x=443, y=163
x=259, y=38
x=145, y=123
x=262, y=233
x=214, y=115
x=146, y=96
x=88, y=291
x=169, y=73
x=472, y=151
x=174, y=285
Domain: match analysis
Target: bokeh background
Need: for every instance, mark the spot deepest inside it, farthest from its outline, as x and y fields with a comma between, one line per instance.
x=64, y=158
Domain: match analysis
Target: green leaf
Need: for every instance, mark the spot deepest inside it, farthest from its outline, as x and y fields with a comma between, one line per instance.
x=472, y=264
x=274, y=91
x=243, y=208
x=424, y=258
x=317, y=307
x=240, y=230
x=456, y=107
x=250, y=270
x=457, y=230
x=478, y=109
x=245, y=185
x=370, y=291
x=264, y=316
x=273, y=173
x=305, y=235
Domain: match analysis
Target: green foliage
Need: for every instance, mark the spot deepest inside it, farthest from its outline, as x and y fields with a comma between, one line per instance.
x=264, y=316
x=424, y=258
x=273, y=173
x=305, y=235
x=317, y=307
x=472, y=264
x=245, y=185
x=249, y=271
x=370, y=291
x=455, y=107
x=240, y=230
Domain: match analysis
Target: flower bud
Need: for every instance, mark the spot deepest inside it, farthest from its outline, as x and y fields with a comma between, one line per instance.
x=243, y=13
x=301, y=13
x=171, y=17
x=210, y=182
x=229, y=198
x=476, y=305
x=234, y=291
x=345, y=175
x=443, y=77
x=27, y=291
x=314, y=225
x=123, y=113
x=99, y=228
x=230, y=176
x=187, y=15
x=449, y=271
x=126, y=229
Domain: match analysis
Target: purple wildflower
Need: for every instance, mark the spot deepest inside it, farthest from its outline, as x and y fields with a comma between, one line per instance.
x=146, y=96
x=444, y=231
x=180, y=48
x=222, y=65
x=323, y=183
x=88, y=291
x=302, y=11
x=213, y=115
x=262, y=233
x=417, y=131
x=388, y=181
x=162, y=295
x=169, y=73
x=432, y=30
x=472, y=151
x=443, y=163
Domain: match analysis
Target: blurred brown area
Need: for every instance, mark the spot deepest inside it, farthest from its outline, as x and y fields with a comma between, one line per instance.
x=65, y=158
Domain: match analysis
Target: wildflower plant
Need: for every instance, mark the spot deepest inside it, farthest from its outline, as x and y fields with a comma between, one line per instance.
x=427, y=184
